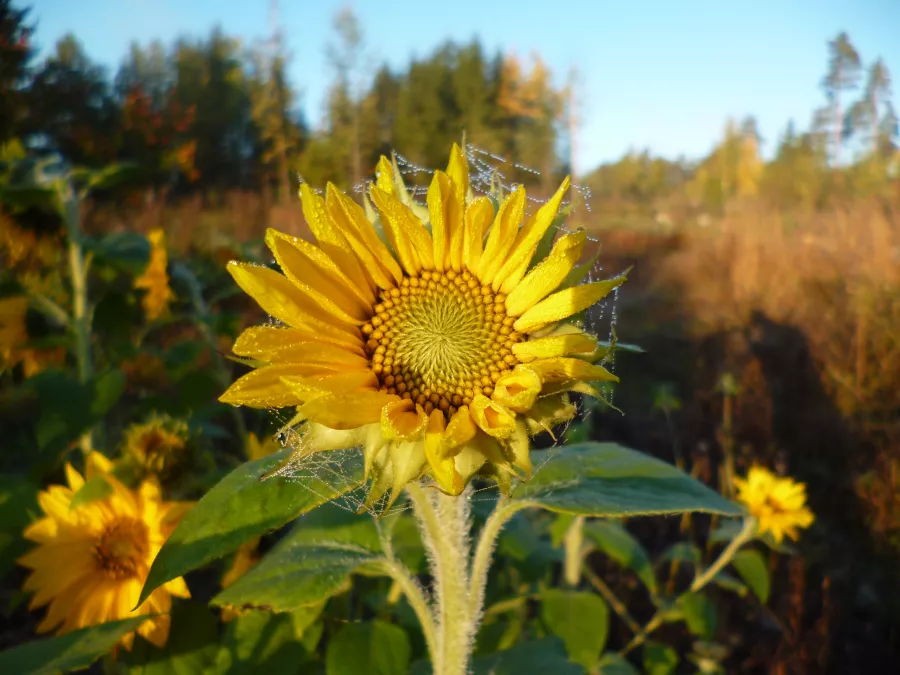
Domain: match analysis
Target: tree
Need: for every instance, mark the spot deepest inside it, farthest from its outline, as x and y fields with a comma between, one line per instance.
x=873, y=114
x=70, y=101
x=272, y=99
x=347, y=92
x=843, y=75
x=15, y=53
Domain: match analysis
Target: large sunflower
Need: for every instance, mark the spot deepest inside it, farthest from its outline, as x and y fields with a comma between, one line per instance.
x=92, y=559
x=439, y=347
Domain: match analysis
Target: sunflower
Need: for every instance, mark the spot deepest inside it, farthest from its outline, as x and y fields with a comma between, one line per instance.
x=92, y=559
x=157, y=445
x=437, y=344
x=155, y=280
x=779, y=504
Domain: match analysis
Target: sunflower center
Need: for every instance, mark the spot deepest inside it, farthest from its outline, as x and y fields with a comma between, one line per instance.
x=122, y=548
x=440, y=339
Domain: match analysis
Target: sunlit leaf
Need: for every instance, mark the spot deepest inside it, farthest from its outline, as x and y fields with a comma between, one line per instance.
x=65, y=653
x=313, y=562
x=606, y=479
x=243, y=506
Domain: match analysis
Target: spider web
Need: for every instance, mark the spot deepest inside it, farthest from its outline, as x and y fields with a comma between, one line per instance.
x=337, y=470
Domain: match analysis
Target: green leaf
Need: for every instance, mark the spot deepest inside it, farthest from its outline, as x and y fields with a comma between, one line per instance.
x=730, y=583
x=30, y=196
x=613, y=664
x=94, y=488
x=683, y=552
x=750, y=564
x=582, y=621
x=312, y=563
x=107, y=390
x=191, y=647
x=260, y=642
x=538, y=657
x=243, y=506
x=699, y=614
x=126, y=251
x=659, y=659
x=615, y=541
x=373, y=648
x=606, y=479
x=18, y=501
x=65, y=653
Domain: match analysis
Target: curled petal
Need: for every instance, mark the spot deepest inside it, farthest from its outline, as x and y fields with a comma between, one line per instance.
x=491, y=417
x=517, y=390
x=403, y=420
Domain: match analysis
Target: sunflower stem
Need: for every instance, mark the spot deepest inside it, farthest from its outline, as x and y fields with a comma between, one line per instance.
x=444, y=522
x=745, y=535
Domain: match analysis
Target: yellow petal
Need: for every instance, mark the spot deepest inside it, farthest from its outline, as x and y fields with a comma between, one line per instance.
x=479, y=215
x=443, y=469
x=547, y=275
x=561, y=368
x=491, y=417
x=285, y=301
x=351, y=220
x=403, y=420
x=460, y=430
x=347, y=411
x=502, y=235
x=402, y=229
x=458, y=171
x=565, y=303
x=554, y=345
x=384, y=175
x=445, y=214
x=517, y=390
x=527, y=241
x=329, y=237
x=73, y=478
x=407, y=463
x=303, y=262
x=275, y=344
x=520, y=446
x=468, y=461
x=263, y=387
x=308, y=388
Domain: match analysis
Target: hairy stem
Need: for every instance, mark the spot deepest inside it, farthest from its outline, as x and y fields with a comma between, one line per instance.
x=81, y=323
x=414, y=594
x=444, y=522
x=745, y=535
x=484, y=551
x=573, y=545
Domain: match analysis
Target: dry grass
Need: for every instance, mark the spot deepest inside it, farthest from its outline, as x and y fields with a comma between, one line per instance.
x=834, y=276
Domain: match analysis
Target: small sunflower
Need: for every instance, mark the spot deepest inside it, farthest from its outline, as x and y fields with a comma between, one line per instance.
x=439, y=348
x=155, y=279
x=779, y=504
x=156, y=445
x=92, y=560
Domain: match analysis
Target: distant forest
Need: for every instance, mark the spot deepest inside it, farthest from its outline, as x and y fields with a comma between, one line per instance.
x=206, y=115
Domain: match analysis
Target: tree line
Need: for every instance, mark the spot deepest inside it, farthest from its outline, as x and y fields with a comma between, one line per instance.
x=208, y=115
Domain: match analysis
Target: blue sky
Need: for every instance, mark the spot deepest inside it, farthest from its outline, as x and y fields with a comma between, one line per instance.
x=658, y=75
